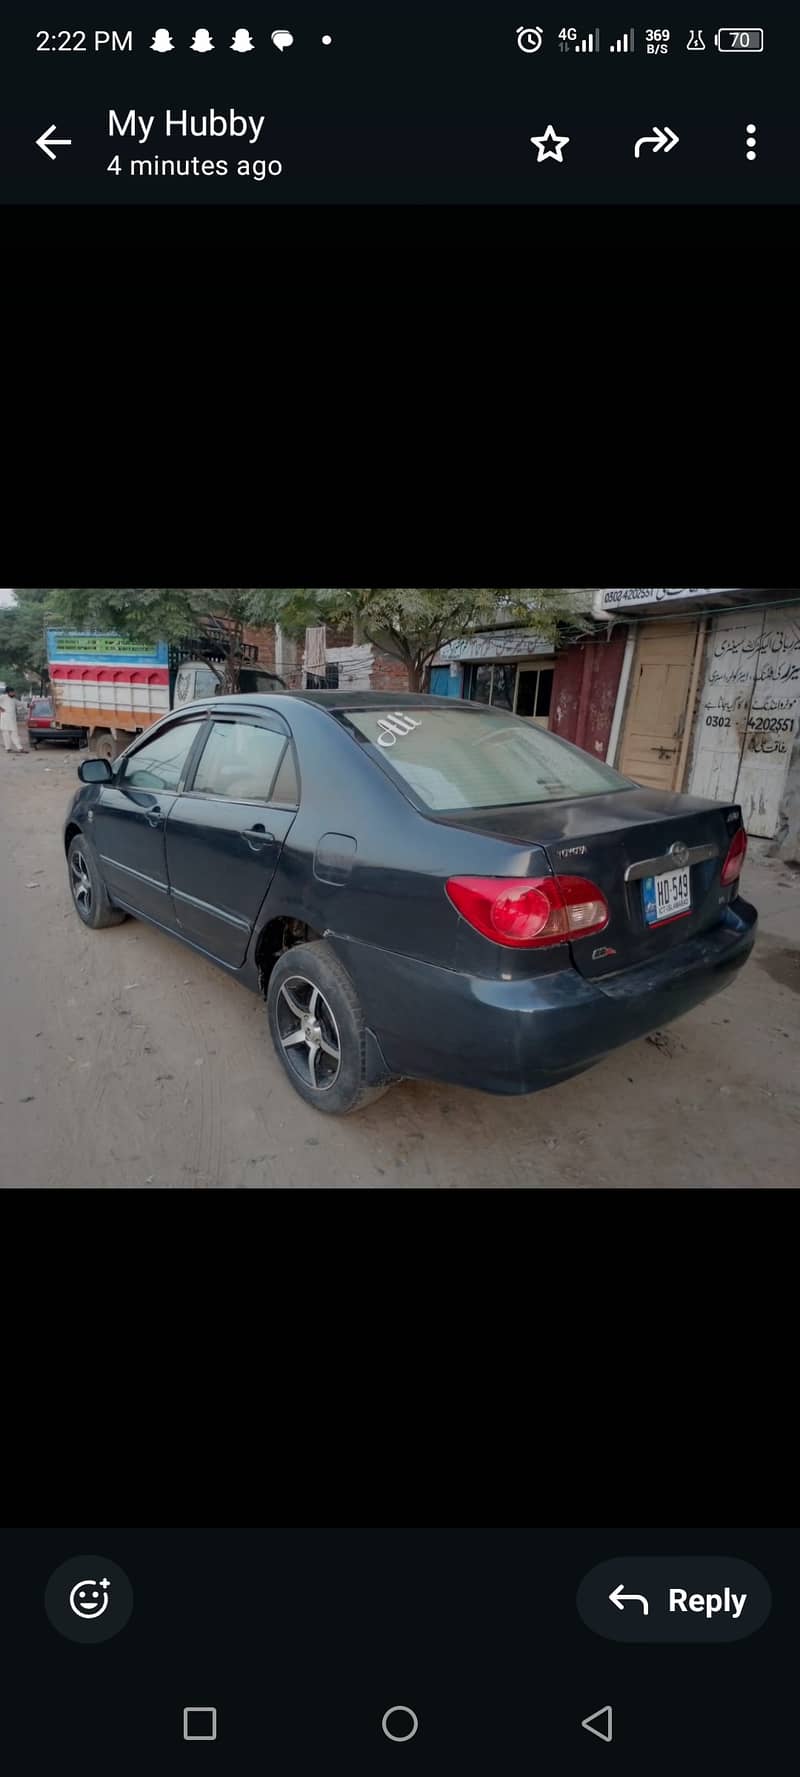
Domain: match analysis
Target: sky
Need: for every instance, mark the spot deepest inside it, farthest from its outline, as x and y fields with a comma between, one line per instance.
x=5, y=595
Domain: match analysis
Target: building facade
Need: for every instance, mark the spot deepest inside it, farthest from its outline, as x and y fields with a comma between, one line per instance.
x=511, y=669
x=708, y=698
x=569, y=688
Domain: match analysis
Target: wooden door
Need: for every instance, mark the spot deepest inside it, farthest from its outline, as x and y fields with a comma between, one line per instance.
x=651, y=744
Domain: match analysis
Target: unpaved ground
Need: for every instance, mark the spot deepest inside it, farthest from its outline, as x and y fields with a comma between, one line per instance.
x=129, y=1061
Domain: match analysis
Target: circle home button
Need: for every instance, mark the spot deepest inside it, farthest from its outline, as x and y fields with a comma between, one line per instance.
x=400, y=1722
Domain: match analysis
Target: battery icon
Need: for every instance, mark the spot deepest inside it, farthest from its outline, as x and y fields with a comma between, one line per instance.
x=747, y=39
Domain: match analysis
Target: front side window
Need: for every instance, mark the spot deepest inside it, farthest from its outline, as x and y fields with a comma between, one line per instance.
x=159, y=763
x=239, y=760
x=461, y=758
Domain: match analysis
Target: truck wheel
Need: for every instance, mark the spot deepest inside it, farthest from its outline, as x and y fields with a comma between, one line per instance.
x=318, y=1029
x=89, y=893
x=104, y=746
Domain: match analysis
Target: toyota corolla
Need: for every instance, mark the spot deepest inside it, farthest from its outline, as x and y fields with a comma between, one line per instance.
x=419, y=887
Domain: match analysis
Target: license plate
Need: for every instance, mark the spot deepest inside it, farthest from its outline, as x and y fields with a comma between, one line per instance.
x=666, y=896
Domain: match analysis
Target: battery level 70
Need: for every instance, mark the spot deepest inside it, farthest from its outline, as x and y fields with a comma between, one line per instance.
x=746, y=40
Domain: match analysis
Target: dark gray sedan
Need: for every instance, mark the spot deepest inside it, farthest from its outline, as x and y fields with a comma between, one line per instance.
x=419, y=887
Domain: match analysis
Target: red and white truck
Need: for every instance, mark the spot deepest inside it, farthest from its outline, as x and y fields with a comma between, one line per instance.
x=112, y=687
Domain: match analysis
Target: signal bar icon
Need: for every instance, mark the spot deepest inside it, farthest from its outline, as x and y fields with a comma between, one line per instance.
x=588, y=45
x=623, y=44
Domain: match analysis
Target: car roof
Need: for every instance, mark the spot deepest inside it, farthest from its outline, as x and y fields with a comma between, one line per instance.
x=338, y=700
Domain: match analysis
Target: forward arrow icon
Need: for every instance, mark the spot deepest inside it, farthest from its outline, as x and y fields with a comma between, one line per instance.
x=665, y=139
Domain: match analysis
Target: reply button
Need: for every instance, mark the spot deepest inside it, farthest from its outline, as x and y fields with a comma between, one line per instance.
x=674, y=1598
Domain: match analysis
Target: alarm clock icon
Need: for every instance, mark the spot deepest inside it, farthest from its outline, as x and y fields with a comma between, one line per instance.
x=529, y=39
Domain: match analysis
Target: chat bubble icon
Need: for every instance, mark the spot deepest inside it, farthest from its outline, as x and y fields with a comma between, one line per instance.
x=282, y=39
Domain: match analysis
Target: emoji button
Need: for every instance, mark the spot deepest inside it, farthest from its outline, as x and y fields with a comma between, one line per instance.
x=86, y=1608
x=89, y=1599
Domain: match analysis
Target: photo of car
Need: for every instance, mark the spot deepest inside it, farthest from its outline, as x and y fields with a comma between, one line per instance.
x=420, y=887
x=42, y=725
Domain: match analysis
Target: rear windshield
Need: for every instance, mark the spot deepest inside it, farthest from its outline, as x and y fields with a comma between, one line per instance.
x=41, y=706
x=463, y=758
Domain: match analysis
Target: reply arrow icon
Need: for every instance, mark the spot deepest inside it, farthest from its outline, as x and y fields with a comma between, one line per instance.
x=665, y=139
x=620, y=1599
x=46, y=138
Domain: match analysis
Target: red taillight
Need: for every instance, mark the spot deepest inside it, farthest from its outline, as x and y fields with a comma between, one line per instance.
x=529, y=910
x=735, y=858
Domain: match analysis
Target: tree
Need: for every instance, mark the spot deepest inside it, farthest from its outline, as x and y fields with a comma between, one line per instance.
x=23, y=648
x=165, y=613
x=411, y=624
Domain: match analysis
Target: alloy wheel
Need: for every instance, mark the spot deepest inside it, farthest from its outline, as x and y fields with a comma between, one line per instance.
x=81, y=882
x=308, y=1032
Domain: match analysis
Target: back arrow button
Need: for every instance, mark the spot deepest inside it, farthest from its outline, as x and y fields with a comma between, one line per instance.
x=47, y=137
x=601, y=1724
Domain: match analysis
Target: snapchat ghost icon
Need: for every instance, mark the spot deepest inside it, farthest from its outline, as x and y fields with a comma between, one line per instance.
x=162, y=41
x=202, y=41
x=242, y=41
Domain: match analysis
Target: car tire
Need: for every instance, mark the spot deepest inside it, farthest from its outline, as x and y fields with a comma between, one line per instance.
x=90, y=896
x=309, y=988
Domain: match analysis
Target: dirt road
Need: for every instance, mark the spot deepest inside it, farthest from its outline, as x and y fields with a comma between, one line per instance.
x=129, y=1061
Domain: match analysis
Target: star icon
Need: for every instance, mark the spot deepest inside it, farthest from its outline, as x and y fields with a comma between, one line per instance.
x=549, y=146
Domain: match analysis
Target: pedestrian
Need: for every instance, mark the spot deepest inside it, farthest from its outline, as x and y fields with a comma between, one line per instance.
x=8, y=719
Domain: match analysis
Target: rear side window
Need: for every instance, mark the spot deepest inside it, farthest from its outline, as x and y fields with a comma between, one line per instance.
x=463, y=758
x=239, y=760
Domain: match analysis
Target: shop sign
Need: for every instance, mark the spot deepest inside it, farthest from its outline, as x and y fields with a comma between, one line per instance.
x=502, y=644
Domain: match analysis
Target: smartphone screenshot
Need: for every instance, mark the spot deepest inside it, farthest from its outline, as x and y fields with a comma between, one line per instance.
x=368, y=889
x=396, y=1650
x=339, y=104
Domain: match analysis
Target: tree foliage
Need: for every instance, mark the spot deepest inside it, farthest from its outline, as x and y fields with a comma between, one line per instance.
x=411, y=623
x=23, y=648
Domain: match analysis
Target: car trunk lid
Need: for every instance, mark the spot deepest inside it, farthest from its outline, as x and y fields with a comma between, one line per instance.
x=620, y=842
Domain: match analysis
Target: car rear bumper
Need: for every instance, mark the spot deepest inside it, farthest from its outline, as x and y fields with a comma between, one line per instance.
x=519, y=1036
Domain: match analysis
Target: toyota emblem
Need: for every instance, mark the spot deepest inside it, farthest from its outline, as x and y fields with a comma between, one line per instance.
x=679, y=854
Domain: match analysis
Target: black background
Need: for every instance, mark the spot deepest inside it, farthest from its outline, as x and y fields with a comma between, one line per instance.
x=302, y=1638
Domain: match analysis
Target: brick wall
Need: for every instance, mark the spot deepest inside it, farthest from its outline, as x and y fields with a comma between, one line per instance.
x=388, y=674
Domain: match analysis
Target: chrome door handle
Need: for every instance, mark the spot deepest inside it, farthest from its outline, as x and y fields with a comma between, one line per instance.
x=153, y=817
x=257, y=837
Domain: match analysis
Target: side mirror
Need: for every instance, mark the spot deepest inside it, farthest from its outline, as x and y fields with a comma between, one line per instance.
x=95, y=771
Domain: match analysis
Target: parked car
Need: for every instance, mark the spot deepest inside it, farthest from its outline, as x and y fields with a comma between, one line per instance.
x=42, y=725
x=420, y=887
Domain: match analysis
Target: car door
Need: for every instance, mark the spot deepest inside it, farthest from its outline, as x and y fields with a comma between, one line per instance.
x=128, y=820
x=226, y=829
